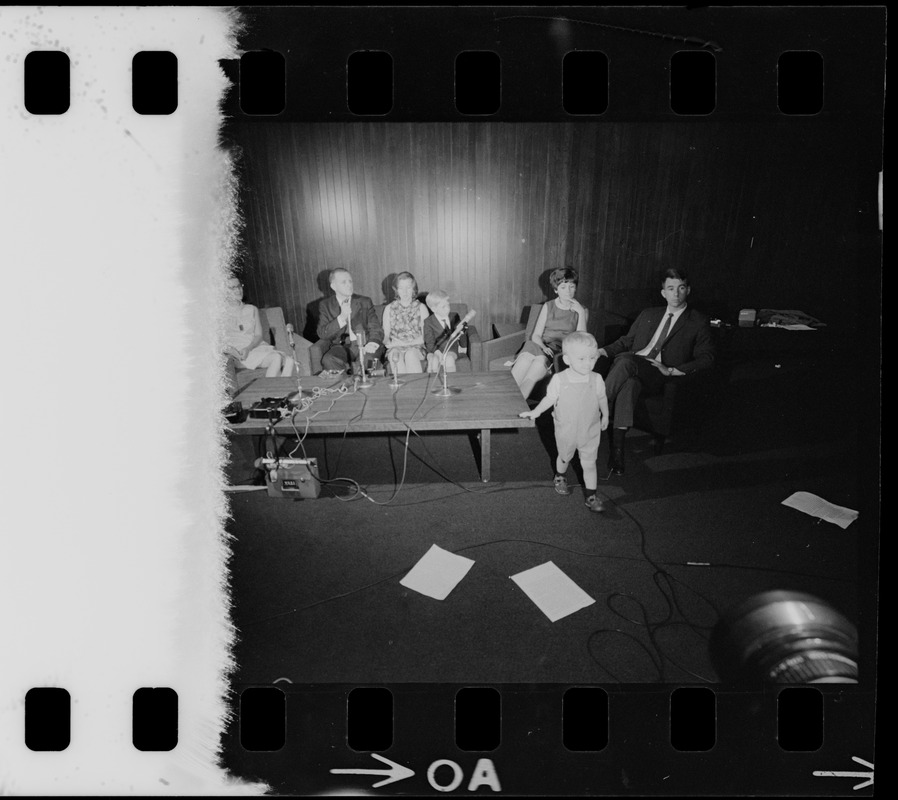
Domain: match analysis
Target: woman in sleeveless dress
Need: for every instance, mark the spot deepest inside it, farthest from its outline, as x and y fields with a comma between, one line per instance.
x=557, y=318
x=404, y=326
x=244, y=339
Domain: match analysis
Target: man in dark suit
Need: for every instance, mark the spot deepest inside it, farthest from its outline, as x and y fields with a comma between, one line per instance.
x=663, y=344
x=345, y=319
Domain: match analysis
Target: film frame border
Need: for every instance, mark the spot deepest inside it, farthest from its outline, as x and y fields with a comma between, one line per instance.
x=848, y=711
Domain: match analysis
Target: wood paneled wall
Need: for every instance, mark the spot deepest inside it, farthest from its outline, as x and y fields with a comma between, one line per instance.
x=761, y=214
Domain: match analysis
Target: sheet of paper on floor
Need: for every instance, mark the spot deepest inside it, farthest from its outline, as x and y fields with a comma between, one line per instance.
x=818, y=507
x=553, y=592
x=437, y=573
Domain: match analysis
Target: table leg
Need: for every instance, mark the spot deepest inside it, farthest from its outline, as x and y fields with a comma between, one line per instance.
x=485, y=454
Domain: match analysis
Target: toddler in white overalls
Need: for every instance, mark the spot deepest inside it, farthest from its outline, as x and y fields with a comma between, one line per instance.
x=577, y=395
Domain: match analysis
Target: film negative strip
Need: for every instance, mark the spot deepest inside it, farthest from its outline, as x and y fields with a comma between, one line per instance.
x=378, y=575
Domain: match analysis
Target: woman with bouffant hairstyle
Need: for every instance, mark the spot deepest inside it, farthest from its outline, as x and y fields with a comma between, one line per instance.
x=557, y=318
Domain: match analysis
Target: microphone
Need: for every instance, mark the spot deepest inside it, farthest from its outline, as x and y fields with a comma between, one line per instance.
x=454, y=337
x=394, y=366
x=290, y=334
x=464, y=323
x=360, y=338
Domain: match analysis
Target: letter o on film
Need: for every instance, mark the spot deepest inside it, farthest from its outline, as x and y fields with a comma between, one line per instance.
x=457, y=775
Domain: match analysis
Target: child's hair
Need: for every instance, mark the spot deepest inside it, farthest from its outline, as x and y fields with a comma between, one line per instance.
x=563, y=275
x=401, y=277
x=578, y=338
x=435, y=297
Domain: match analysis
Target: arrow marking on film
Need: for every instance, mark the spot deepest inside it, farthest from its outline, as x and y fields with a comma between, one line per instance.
x=861, y=785
x=396, y=772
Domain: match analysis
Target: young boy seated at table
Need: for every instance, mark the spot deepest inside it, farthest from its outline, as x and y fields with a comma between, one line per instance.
x=577, y=395
x=438, y=327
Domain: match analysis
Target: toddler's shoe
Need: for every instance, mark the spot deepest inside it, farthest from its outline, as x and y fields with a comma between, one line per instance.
x=561, y=485
x=594, y=504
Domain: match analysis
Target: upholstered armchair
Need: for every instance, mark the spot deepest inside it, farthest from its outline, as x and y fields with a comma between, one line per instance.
x=685, y=402
x=274, y=329
x=496, y=353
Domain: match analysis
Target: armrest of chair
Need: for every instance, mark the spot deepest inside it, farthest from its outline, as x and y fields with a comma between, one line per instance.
x=504, y=346
x=275, y=327
x=504, y=328
x=302, y=348
x=475, y=349
x=609, y=326
x=316, y=351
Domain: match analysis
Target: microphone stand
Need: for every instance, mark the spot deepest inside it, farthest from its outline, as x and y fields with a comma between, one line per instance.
x=448, y=391
x=394, y=363
x=364, y=383
x=294, y=398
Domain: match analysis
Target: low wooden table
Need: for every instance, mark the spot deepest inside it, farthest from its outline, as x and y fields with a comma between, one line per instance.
x=480, y=401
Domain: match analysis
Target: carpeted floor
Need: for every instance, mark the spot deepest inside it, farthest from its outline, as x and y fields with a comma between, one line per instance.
x=687, y=534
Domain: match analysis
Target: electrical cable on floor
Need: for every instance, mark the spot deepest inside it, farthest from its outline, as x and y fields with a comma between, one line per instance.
x=655, y=651
x=361, y=492
x=304, y=405
x=495, y=489
x=346, y=428
x=435, y=467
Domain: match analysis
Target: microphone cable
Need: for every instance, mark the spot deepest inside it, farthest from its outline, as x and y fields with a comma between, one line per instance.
x=550, y=545
x=305, y=404
x=360, y=492
x=654, y=650
x=409, y=430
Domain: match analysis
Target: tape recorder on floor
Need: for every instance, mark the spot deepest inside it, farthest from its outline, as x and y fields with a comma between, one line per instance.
x=292, y=477
x=269, y=407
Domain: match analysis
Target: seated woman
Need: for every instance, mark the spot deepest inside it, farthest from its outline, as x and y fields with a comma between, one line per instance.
x=404, y=326
x=243, y=338
x=557, y=318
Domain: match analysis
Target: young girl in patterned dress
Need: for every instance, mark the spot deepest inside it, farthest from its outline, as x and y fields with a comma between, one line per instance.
x=404, y=326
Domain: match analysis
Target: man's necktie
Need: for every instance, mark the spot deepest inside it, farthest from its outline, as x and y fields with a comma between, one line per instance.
x=653, y=353
x=349, y=330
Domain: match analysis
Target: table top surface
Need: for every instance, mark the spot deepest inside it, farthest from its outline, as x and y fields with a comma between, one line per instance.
x=336, y=405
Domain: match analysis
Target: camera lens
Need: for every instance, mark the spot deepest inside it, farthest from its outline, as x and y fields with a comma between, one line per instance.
x=785, y=637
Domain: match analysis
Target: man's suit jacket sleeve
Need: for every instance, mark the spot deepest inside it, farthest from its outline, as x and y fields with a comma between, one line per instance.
x=625, y=343
x=328, y=311
x=702, y=347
